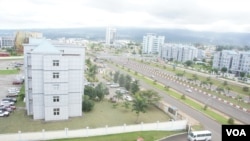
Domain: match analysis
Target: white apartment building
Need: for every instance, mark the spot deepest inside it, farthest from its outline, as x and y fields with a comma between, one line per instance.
x=7, y=42
x=178, y=52
x=234, y=61
x=110, y=36
x=224, y=59
x=151, y=43
x=53, y=79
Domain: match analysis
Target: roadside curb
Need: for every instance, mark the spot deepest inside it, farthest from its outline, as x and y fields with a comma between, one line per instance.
x=171, y=136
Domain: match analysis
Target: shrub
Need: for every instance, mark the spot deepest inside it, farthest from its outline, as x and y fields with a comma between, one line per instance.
x=245, y=89
x=183, y=97
x=230, y=121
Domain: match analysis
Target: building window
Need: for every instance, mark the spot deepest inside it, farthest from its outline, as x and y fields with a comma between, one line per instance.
x=56, y=111
x=55, y=98
x=55, y=74
x=55, y=86
x=55, y=62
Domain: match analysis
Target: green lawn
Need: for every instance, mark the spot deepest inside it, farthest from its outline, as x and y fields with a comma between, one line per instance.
x=7, y=72
x=146, y=135
x=103, y=114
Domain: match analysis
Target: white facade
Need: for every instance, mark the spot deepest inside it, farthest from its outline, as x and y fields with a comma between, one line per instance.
x=232, y=60
x=110, y=36
x=6, y=42
x=178, y=52
x=151, y=43
x=53, y=80
x=224, y=59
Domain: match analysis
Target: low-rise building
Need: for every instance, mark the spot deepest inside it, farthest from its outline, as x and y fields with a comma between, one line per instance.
x=53, y=79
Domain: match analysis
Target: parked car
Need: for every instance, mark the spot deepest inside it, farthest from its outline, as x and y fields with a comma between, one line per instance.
x=114, y=85
x=13, y=90
x=17, y=82
x=11, y=95
x=9, y=99
x=128, y=98
x=6, y=103
x=4, y=113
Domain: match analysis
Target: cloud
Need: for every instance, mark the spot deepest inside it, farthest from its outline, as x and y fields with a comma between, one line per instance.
x=211, y=15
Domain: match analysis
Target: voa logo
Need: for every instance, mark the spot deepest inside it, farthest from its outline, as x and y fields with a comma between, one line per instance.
x=236, y=132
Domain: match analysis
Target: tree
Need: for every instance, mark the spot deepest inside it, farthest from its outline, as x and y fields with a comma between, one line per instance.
x=128, y=80
x=134, y=87
x=88, y=62
x=150, y=96
x=139, y=106
x=121, y=80
x=101, y=90
x=225, y=83
x=242, y=74
x=230, y=120
x=126, y=104
x=87, y=104
x=189, y=63
x=92, y=71
x=90, y=91
x=195, y=77
x=223, y=70
x=228, y=89
x=116, y=76
x=118, y=95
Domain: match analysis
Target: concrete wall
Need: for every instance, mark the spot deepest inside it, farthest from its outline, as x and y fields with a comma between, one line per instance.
x=87, y=132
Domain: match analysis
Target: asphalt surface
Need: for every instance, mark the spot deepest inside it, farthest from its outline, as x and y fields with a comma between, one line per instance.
x=6, y=80
x=231, y=111
x=208, y=123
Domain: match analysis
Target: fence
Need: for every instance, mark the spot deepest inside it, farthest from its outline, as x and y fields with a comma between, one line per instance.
x=87, y=132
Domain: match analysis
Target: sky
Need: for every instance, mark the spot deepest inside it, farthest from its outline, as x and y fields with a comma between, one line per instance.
x=198, y=15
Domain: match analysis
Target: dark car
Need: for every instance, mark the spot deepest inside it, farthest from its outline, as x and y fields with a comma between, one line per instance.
x=17, y=82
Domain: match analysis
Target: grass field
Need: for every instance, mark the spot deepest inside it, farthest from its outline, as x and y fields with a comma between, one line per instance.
x=103, y=114
x=147, y=136
x=6, y=72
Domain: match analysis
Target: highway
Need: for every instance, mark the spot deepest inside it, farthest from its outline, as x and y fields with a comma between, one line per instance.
x=208, y=123
x=147, y=70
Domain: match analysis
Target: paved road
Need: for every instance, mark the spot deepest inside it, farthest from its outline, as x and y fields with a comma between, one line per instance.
x=208, y=123
x=221, y=106
x=180, y=137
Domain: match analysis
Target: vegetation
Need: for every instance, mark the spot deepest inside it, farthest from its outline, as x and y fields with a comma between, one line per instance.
x=7, y=72
x=143, y=99
x=87, y=104
x=146, y=135
x=194, y=104
x=230, y=121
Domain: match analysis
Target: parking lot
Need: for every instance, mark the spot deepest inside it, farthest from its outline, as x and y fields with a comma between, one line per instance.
x=6, y=81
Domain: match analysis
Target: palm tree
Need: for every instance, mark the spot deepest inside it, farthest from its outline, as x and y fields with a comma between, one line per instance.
x=139, y=106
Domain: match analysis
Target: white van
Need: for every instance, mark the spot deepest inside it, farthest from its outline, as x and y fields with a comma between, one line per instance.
x=200, y=135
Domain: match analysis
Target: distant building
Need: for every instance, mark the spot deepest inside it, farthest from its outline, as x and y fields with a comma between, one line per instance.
x=22, y=37
x=6, y=42
x=110, y=36
x=178, y=52
x=223, y=59
x=151, y=43
x=235, y=62
x=53, y=79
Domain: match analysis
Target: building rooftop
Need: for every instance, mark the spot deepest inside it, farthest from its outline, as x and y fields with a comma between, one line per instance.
x=46, y=47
